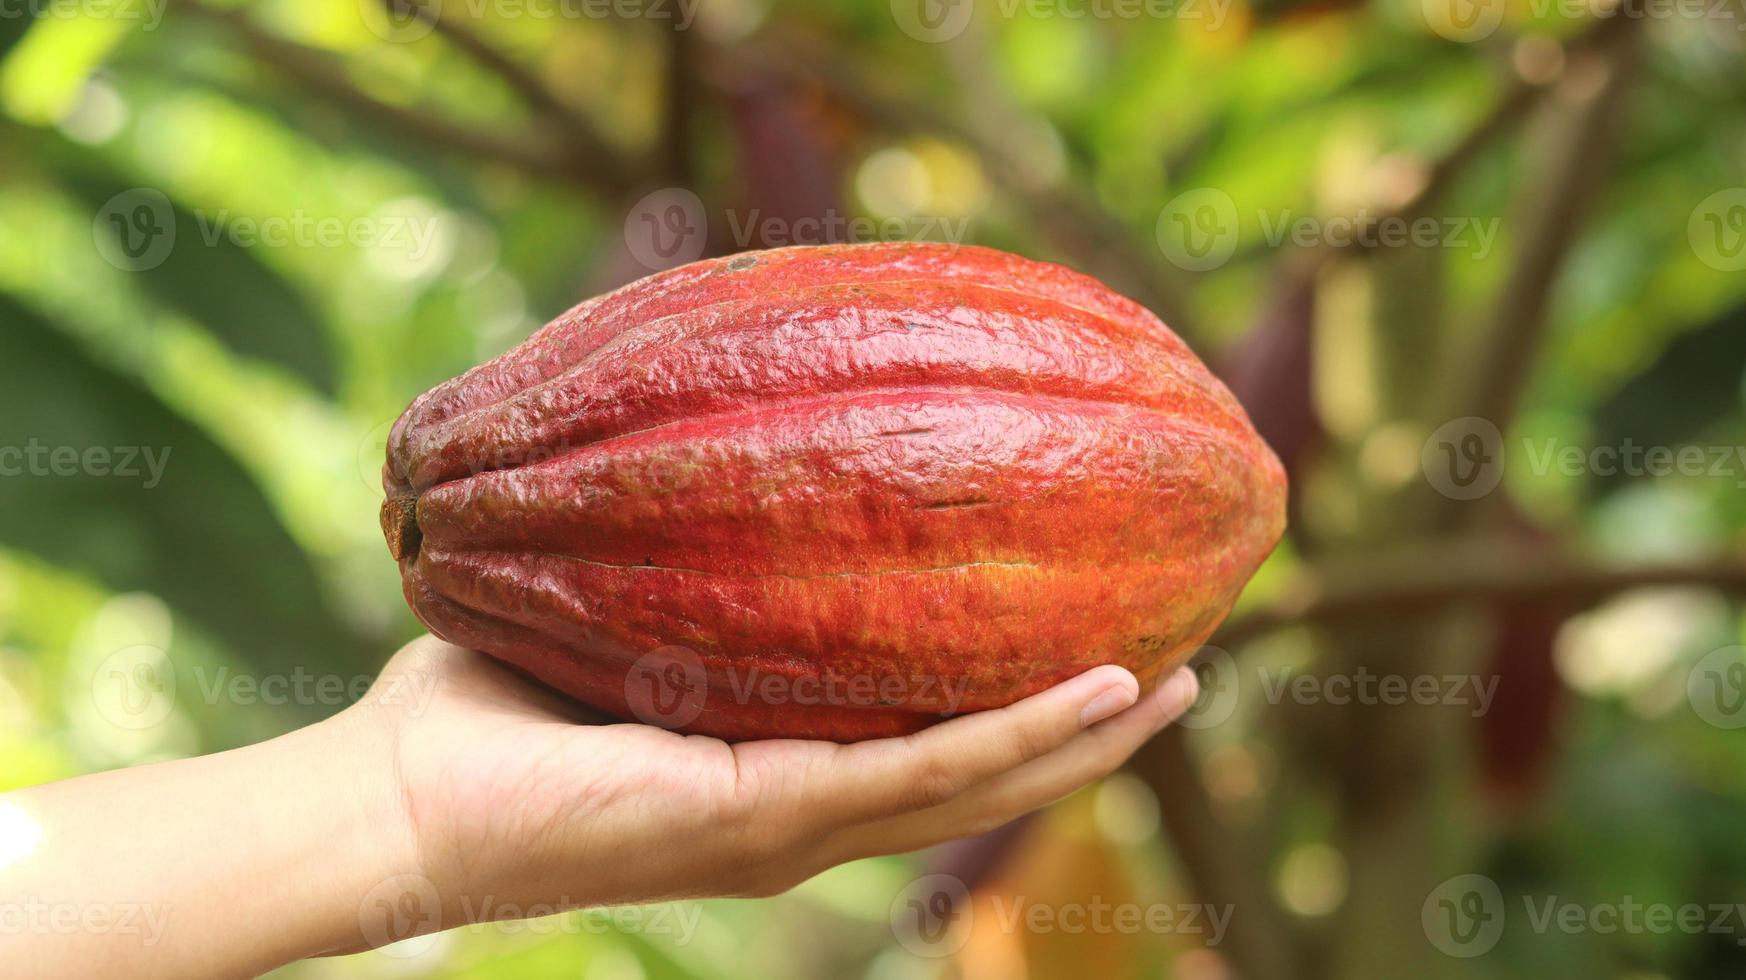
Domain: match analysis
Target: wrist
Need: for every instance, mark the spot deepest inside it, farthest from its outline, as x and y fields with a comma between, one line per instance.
x=361, y=884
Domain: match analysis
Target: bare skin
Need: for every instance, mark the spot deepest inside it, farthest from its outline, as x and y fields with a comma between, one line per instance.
x=402, y=816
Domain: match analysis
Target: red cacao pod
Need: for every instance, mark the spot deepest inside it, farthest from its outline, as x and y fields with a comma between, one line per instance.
x=835, y=492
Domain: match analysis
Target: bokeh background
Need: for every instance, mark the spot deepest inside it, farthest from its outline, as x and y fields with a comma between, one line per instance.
x=1476, y=267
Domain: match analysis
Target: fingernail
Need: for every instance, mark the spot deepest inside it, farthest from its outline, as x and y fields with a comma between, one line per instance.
x=1176, y=695
x=1110, y=701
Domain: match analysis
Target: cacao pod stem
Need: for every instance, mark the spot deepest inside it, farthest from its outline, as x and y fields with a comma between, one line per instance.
x=400, y=526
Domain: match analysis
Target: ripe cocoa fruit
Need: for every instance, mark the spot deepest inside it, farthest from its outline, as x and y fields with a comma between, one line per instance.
x=832, y=492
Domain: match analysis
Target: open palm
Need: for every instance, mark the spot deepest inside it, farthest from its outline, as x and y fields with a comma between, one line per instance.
x=515, y=794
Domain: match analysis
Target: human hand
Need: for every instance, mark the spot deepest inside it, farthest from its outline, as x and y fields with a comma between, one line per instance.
x=483, y=796
x=508, y=800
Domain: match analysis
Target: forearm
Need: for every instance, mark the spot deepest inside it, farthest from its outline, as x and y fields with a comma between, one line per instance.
x=223, y=865
x=319, y=842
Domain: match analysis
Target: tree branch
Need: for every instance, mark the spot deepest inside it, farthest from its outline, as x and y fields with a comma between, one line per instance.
x=608, y=167
x=1433, y=576
x=1519, y=100
x=1521, y=97
x=679, y=94
x=1073, y=220
x=1264, y=945
x=1553, y=210
x=534, y=153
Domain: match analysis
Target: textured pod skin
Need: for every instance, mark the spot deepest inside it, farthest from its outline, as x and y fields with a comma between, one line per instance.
x=834, y=492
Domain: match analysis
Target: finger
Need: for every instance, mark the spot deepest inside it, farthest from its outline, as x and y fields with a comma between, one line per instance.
x=1085, y=758
x=874, y=780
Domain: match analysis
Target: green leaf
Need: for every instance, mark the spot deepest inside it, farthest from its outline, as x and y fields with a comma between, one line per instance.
x=14, y=24
x=99, y=476
x=204, y=274
x=1696, y=382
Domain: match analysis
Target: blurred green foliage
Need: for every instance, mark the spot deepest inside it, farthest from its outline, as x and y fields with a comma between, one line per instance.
x=344, y=236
